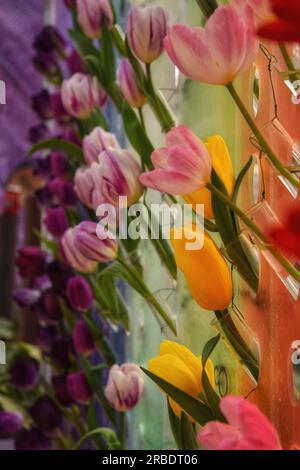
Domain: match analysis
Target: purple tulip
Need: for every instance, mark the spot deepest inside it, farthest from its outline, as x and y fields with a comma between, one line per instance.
x=79, y=388
x=33, y=439
x=31, y=261
x=25, y=297
x=38, y=133
x=60, y=387
x=56, y=221
x=71, y=136
x=51, y=306
x=42, y=167
x=45, y=414
x=46, y=336
x=92, y=14
x=44, y=197
x=47, y=65
x=42, y=283
x=62, y=351
x=41, y=104
x=92, y=247
x=75, y=63
x=59, y=165
x=10, y=423
x=83, y=339
x=96, y=142
x=58, y=276
x=58, y=111
x=72, y=257
x=63, y=191
x=49, y=40
x=24, y=372
x=80, y=294
x=129, y=86
x=124, y=387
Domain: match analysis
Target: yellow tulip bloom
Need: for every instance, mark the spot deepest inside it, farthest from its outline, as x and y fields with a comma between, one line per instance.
x=180, y=367
x=222, y=165
x=205, y=270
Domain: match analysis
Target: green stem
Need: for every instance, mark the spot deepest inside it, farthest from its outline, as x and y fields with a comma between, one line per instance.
x=141, y=116
x=162, y=111
x=288, y=62
x=260, y=138
x=252, y=226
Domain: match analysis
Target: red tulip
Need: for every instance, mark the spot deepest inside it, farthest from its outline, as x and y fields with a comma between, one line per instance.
x=286, y=24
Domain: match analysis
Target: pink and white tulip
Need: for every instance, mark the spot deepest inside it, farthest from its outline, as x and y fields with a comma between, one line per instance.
x=91, y=246
x=128, y=85
x=146, y=30
x=217, y=53
x=96, y=142
x=82, y=95
x=92, y=15
x=72, y=256
x=124, y=387
x=182, y=167
x=84, y=186
x=248, y=428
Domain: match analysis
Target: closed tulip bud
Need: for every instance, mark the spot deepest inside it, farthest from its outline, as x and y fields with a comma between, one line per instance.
x=31, y=261
x=82, y=95
x=128, y=85
x=58, y=110
x=24, y=372
x=42, y=167
x=56, y=221
x=79, y=388
x=83, y=339
x=75, y=63
x=46, y=336
x=38, y=133
x=44, y=197
x=180, y=367
x=62, y=352
x=124, y=387
x=47, y=64
x=204, y=269
x=80, y=294
x=49, y=40
x=59, y=165
x=92, y=15
x=63, y=191
x=84, y=186
x=96, y=142
x=10, y=423
x=46, y=414
x=90, y=246
x=25, y=297
x=146, y=29
x=51, y=306
x=61, y=390
x=41, y=104
x=33, y=439
x=182, y=167
x=72, y=256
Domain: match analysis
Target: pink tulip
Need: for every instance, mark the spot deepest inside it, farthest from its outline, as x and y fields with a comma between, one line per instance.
x=128, y=85
x=91, y=246
x=84, y=186
x=82, y=95
x=248, y=428
x=217, y=53
x=72, y=256
x=124, y=387
x=261, y=9
x=183, y=167
x=146, y=29
x=92, y=15
x=96, y=142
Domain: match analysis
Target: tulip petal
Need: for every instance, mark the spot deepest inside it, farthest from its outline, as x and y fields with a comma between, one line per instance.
x=170, y=182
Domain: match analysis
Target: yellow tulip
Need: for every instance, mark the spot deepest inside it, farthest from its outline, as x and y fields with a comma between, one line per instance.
x=205, y=270
x=222, y=165
x=180, y=367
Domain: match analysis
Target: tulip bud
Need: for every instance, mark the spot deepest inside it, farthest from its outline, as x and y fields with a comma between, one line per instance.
x=38, y=133
x=56, y=221
x=75, y=63
x=49, y=40
x=80, y=294
x=59, y=165
x=10, y=423
x=92, y=15
x=44, y=197
x=83, y=339
x=146, y=30
x=41, y=104
x=45, y=414
x=47, y=65
x=124, y=387
x=25, y=297
x=82, y=95
x=33, y=439
x=46, y=336
x=129, y=86
x=31, y=261
x=58, y=111
x=62, y=351
x=84, y=186
x=91, y=247
x=79, y=388
x=42, y=167
x=63, y=191
x=24, y=372
x=72, y=256
x=61, y=390
x=96, y=142
x=51, y=307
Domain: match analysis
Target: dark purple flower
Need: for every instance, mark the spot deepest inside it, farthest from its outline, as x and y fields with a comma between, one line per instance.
x=56, y=221
x=46, y=414
x=42, y=283
x=49, y=40
x=70, y=3
x=24, y=372
x=41, y=104
x=31, y=261
x=57, y=107
x=58, y=276
x=80, y=294
x=38, y=133
x=26, y=298
x=60, y=387
x=71, y=136
x=44, y=197
x=59, y=165
x=63, y=191
x=62, y=351
x=75, y=63
x=48, y=66
x=51, y=305
x=79, y=388
x=42, y=166
x=10, y=423
x=33, y=439
x=46, y=336
x=83, y=339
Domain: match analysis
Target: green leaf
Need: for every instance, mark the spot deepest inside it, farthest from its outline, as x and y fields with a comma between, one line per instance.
x=200, y=412
x=106, y=433
x=240, y=178
x=59, y=145
x=188, y=434
x=84, y=45
x=107, y=57
x=175, y=426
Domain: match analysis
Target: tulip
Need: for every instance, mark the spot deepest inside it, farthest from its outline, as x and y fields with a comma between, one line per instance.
x=58, y=276
x=49, y=40
x=10, y=423
x=146, y=30
x=71, y=136
x=31, y=261
x=24, y=372
x=217, y=53
x=63, y=191
x=61, y=390
x=51, y=306
x=42, y=283
x=117, y=175
x=82, y=95
x=25, y=297
x=75, y=63
x=92, y=15
x=128, y=85
x=248, y=428
x=79, y=388
x=180, y=367
x=56, y=221
x=58, y=111
x=204, y=269
x=59, y=165
x=124, y=387
x=38, y=133
x=183, y=167
x=46, y=336
x=62, y=351
x=41, y=104
x=72, y=256
x=96, y=142
x=47, y=65
x=42, y=167
x=261, y=9
x=91, y=247
x=33, y=439
x=79, y=293
x=284, y=26
x=44, y=197
x=45, y=414
x=83, y=339
x=286, y=236
x=84, y=186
